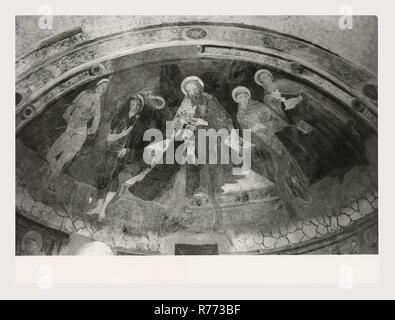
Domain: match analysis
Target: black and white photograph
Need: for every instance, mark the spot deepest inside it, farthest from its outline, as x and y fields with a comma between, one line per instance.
x=173, y=151
x=195, y=136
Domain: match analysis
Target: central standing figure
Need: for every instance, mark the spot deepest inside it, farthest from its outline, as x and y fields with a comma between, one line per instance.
x=202, y=110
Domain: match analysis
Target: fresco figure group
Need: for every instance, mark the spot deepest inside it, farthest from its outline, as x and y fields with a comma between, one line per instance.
x=198, y=109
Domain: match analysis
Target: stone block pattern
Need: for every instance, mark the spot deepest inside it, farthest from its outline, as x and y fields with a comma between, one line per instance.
x=307, y=229
x=151, y=243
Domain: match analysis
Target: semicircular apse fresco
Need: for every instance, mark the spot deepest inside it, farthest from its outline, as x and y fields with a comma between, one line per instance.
x=194, y=139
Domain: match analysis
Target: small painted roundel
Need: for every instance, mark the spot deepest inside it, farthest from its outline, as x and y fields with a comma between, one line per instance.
x=196, y=33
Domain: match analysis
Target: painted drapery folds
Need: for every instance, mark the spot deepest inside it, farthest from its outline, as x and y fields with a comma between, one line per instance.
x=81, y=154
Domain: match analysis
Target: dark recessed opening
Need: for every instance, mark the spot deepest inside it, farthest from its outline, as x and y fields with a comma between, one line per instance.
x=182, y=249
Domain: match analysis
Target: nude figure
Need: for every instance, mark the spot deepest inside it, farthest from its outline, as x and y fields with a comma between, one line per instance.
x=86, y=106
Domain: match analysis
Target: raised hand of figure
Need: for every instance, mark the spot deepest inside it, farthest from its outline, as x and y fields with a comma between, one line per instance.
x=188, y=132
x=122, y=153
x=126, y=131
x=292, y=103
x=276, y=94
x=199, y=122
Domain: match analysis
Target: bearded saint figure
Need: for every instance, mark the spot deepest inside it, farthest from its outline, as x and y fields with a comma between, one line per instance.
x=200, y=110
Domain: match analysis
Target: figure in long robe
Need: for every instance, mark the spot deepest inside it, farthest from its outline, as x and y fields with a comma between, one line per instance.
x=202, y=110
x=114, y=172
x=264, y=122
x=197, y=110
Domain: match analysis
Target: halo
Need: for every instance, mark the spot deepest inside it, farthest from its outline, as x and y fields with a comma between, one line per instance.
x=159, y=106
x=141, y=98
x=259, y=72
x=188, y=79
x=238, y=90
x=138, y=97
x=105, y=80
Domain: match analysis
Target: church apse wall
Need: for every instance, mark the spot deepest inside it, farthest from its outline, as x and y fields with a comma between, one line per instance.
x=81, y=144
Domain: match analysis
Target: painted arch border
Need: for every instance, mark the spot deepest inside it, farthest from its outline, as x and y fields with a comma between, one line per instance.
x=65, y=64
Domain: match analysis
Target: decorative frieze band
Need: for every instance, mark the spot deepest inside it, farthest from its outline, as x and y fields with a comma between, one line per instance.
x=43, y=69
